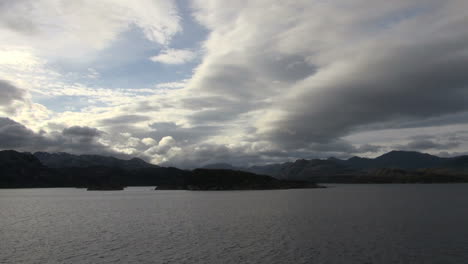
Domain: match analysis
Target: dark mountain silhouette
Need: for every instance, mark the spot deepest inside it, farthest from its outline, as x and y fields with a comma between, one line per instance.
x=220, y=166
x=100, y=172
x=311, y=170
x=394, y=166
x=10, y=159
x=271, y=169
x=66, y=160
x=24, y=170
x=460, y=163
x=400, y=160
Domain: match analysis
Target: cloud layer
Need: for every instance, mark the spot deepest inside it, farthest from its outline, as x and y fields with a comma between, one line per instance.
x=276, y=80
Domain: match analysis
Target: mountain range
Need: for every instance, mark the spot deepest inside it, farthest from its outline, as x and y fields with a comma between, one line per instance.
x=394, y=166
x=41, y=169
x=26, y=170
x=63, y=160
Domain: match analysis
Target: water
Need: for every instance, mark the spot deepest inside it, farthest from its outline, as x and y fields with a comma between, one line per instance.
x=342, y=224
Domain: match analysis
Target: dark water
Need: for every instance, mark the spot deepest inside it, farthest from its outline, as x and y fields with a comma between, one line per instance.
x=344, y=224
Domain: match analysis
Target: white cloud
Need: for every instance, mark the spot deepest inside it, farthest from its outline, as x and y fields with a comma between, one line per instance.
x=149, y=141
x=174, y=56
x=172, y=85
x=166, y=141
x=34, y=34
x=73, y=29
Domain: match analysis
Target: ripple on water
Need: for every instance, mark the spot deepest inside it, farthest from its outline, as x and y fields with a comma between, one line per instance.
x=345, y=224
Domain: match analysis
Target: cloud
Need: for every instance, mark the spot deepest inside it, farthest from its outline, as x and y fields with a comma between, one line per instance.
x=172, y=85
x=439, y=143
x=368, y=148
x=123, y=120
x=15, y=101
x=149, y=141
x=51, y=26
x=315, y=87
x=185, y=135
x=166, y=141
x=14, y=22
x=277, y=81
x=424, y=144
x=174, y=56
x=76, y=139
x=406, y=83
x=16, y=136
x=164, y=145
x=78, y=131
x=10, y=93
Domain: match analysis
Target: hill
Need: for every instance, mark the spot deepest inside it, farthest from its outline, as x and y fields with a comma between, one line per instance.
x=66, y=160
x=24, y=170
x=394, y=166
x=67, y=170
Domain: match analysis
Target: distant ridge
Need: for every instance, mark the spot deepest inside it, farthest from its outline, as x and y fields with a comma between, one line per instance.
x=41, y=169
x=403, y=166
x=220, y=166
x=407, y=160
x=66, y=160
x=94, y=172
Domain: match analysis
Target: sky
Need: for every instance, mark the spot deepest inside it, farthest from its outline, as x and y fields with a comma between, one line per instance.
x=192, y=82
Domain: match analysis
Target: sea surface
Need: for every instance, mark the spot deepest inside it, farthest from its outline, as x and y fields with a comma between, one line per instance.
x=392, y=223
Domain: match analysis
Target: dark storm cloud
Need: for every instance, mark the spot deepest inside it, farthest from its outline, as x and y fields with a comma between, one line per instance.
x=284, y=68
x=401, y=83
x=81, y=132
x=449, y=119
x=14, y=135
x=77, y=140
x=368, y=148
x=424, y=144
x=81, y=137
x=441, y=142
